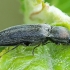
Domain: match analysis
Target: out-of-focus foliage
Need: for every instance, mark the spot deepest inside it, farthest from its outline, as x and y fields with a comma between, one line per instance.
x=64, y=5
x=36, y=11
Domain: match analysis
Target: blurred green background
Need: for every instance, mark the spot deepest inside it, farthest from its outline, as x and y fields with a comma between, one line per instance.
x=64, y=5
x=10, y=12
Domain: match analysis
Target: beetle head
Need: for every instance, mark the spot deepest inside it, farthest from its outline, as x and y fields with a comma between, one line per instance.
x=59, y=34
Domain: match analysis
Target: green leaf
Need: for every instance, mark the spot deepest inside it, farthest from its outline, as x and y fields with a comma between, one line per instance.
x=46, y=57
x=22, y=58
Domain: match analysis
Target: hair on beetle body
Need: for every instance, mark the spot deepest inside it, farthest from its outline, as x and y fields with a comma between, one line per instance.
x=33, y=35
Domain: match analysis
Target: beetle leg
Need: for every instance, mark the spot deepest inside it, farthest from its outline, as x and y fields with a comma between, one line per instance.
x=9, y=50
x=34, y=49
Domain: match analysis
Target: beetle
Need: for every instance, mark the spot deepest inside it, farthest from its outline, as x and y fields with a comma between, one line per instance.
x=35, y=35
x=25, y=35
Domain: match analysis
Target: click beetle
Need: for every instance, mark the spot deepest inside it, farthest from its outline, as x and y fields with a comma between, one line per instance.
x=35, y=34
